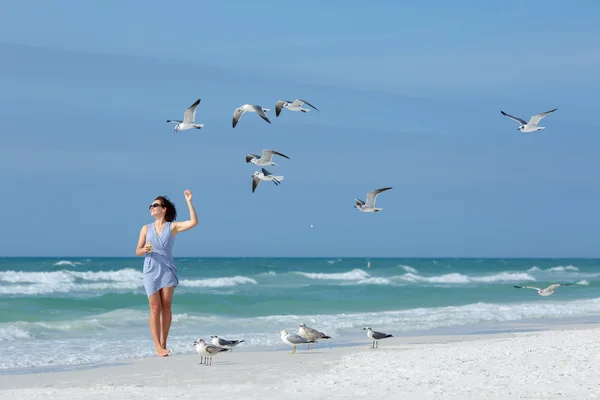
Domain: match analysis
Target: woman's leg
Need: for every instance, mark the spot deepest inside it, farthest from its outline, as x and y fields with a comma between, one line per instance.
x=155, y=311
x=166, y=295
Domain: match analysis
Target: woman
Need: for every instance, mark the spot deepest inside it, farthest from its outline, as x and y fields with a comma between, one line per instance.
x=160, y=274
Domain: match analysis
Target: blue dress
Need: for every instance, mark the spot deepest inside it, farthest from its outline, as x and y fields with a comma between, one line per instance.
x=159, y=265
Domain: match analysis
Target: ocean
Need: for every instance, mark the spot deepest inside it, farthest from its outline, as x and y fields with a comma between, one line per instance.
x=63, y=313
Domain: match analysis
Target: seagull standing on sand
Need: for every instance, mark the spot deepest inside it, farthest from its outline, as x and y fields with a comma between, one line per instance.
x=227, y=344
x=375, y=336
x=264, y=175
x=293, y=340
x=311, y=334
x=530, y=126
x=545, y=292
x=237, y=114
x=188, y=119
x=265, y=158
x=369, y=206
x=207, y=351
x=295, y=105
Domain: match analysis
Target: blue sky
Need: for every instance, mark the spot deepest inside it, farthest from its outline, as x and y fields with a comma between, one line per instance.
x=409, y=96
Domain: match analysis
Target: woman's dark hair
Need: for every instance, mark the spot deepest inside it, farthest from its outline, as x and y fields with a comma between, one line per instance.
x=171, y=213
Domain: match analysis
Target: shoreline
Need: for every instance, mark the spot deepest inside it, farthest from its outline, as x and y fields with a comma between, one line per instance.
x=355, y=340
x=407, y=362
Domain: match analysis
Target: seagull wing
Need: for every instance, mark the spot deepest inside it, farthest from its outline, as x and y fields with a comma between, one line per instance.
x=271, y=152
x=237, y=114
x=177, y=121
x=372, y=195
x=554, y=286
x=527, y=287
x=315, y=333
x=380, y=335
x=265, y=172
x=279, y=106
x=536, y=118
x=190, y=114
x=249, y=157
x=359, y=203
x=255, y=182
x=214, y=349
x=260, y=112
x=519, y=120
x=267, y=155
x=296, y=339
x=307, y=103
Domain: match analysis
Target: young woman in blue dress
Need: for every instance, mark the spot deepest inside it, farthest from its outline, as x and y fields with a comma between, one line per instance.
x=160, y=273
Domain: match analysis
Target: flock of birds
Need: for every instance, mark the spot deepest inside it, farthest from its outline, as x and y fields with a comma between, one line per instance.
x=310, y=336
x=266, y=158
x=305, y=335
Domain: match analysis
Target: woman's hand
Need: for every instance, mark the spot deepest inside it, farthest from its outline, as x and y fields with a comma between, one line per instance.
x=148, y=247
x=188, y=195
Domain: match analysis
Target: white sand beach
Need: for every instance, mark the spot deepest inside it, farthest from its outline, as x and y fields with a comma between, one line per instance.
x=563, y=363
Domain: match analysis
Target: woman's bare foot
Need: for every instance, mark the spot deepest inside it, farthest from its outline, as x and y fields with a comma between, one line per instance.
x=162, y=352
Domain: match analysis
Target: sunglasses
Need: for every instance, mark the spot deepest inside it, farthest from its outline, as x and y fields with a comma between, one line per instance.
x=155, y=205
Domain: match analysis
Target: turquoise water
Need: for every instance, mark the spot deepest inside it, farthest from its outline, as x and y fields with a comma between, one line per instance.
x=73, y=311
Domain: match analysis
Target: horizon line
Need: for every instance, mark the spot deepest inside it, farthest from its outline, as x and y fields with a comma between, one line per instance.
x=337, y=256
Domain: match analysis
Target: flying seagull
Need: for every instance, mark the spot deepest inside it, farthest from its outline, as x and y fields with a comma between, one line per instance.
x=375, y=336
x=530, y=126
x=295, y=105
x=264, y=175
x=369, y=206
x=311, y=334
x=265, y=158
x=545, y=292
x=207, y=351
x=188, y=119
x=237, y=114
x=293, y=339
x=227, y=344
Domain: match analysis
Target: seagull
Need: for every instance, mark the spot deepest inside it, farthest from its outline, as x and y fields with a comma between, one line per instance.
x=207, y=351
x=311, y=334
x=545, y=292
x=295, y=105
x=237, y=114
x=530, y=126
x=369, y=206
x=188, y=119
x=227, y=344
x=265, y=158
x=264, y=175
x=375, y=336
x=293, y=340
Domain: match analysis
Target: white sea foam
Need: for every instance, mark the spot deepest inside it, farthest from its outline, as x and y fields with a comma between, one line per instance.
x=583, y=282
x=67, y=262
x=408, y=268
x=65, y=281
x=559, y=268
x=218, y=282
x=456, y=277
x=355, y=274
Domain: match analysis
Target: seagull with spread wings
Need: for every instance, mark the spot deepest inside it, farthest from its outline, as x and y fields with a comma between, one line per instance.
x=189, y=117
x=264, y=175
x=238, y=112
x=295, y=105
x=369, y=206
x=265, y=158
x=532, y=125
x=544, y=292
